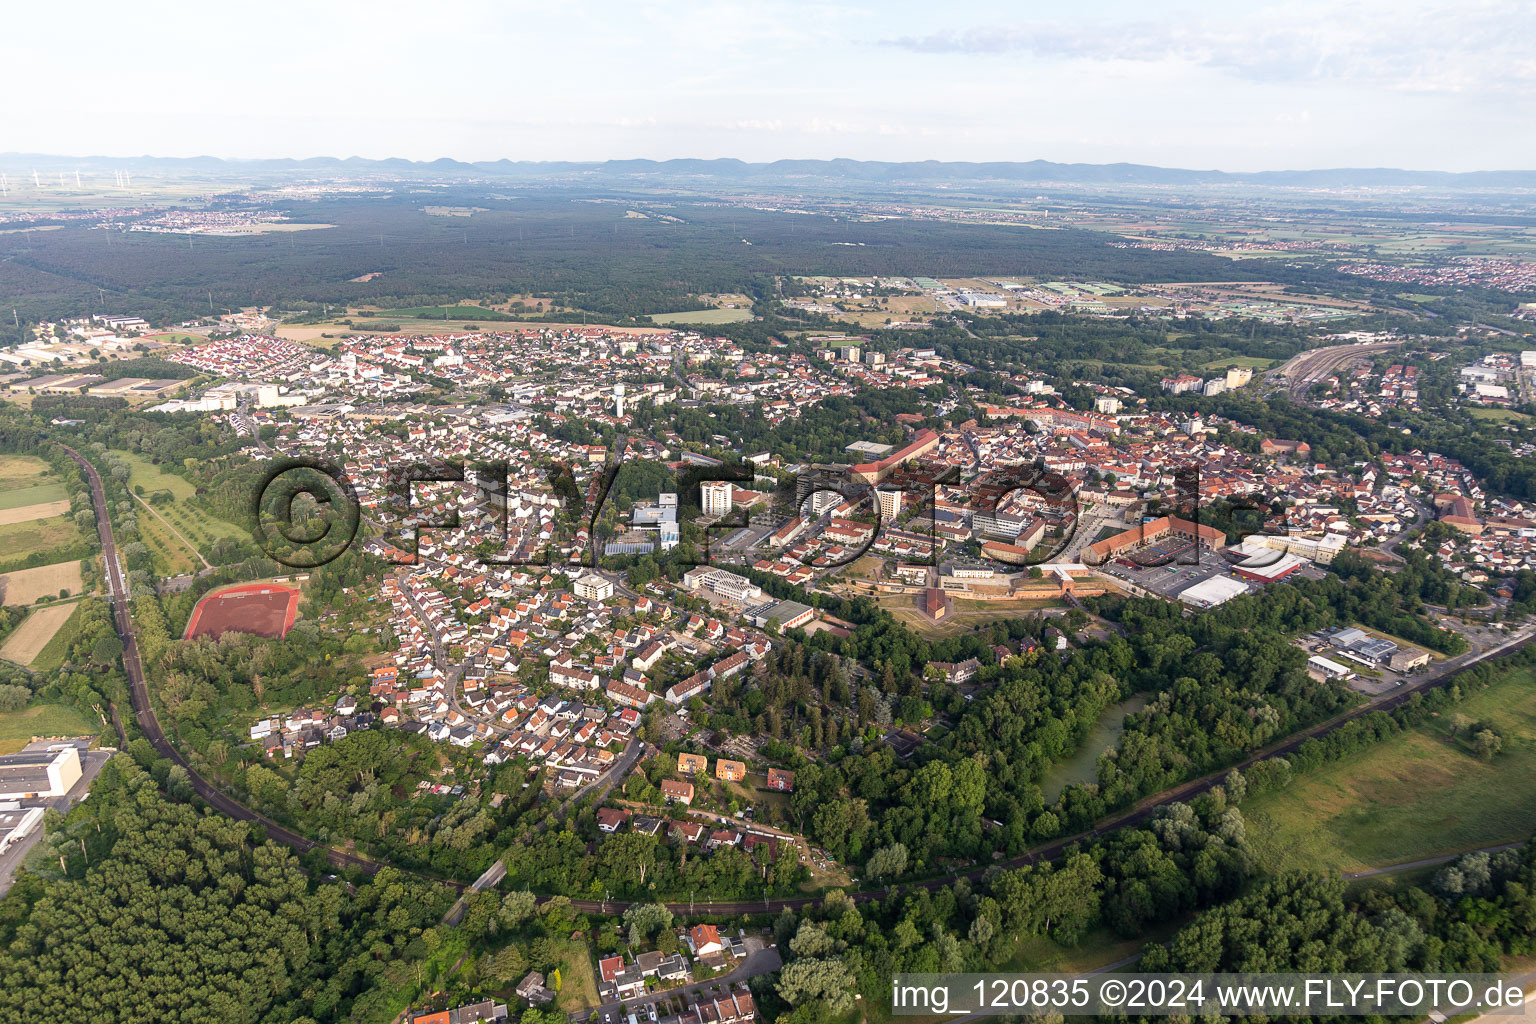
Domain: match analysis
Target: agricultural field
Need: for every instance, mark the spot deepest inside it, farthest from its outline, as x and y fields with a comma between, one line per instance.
x=30, y=638
x=1412, y=797
x=460, y=314
x=19, y=540
x=28, y=480
x=30, y=513
x=25, y=586
x=703, y=316
x=51, y=656
x=17, y=728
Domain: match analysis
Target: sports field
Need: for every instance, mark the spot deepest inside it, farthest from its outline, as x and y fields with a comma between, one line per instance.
x=28, y=640
x=24, y=586
x=1414, y=796
x=262, y=609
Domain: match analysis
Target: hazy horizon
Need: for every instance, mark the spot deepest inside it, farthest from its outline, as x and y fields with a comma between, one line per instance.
x=1273, y=86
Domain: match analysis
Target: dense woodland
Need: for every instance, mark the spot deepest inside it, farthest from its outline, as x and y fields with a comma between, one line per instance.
x=578, y=252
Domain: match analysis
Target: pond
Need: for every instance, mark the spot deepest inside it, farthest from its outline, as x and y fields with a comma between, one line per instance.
x=1083, y=765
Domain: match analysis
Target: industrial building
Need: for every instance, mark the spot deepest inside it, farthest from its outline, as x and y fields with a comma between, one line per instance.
x=38, y=774
x=1212, y=592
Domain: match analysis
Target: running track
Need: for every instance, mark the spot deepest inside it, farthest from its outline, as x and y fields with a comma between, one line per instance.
x=222, y=802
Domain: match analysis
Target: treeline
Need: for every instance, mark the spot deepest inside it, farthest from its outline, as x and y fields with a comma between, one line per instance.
x=1305, y=922
x=138, y=908
x=1186, y=857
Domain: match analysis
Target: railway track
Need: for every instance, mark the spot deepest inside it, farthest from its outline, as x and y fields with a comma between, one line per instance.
x=216, y=798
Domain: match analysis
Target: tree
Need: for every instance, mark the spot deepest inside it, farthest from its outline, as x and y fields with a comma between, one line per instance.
x=887, y=861
x=1487, y=743
x=813, y=980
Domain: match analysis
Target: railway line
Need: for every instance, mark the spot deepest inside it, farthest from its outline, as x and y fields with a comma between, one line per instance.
x=216, y=798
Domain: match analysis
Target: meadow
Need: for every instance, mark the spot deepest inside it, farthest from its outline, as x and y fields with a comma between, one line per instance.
x=18, y=727
x=184, y=512
x=1418, y=795
x=20, y=540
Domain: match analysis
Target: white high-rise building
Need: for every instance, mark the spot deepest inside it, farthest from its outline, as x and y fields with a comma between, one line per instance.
x=618, y=400
x=890, y=504
x=717, y=496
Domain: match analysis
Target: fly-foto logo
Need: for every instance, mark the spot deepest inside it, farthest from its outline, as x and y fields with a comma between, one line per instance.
x=307, y=513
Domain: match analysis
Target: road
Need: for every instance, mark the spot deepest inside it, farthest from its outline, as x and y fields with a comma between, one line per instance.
x=90, y=766
x=144, y=713
x=759, y=960
x=1428, y=862
x=225, y=804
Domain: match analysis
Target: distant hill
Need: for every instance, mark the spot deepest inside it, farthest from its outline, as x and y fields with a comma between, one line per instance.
x=778, y=172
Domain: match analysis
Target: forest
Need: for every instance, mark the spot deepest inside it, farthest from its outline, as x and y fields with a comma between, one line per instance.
x=577, y=248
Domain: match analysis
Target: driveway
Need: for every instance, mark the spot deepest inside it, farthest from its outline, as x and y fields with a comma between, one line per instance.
x=759, y=960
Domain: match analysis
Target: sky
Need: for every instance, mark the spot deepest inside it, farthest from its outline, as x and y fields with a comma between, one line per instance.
x=1238, y=86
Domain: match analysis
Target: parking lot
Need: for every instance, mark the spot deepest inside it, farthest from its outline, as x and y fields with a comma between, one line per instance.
x=1177, y=568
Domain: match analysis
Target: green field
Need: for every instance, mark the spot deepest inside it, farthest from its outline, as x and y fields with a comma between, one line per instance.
x=1257, y=362
x=463, y=314
x=152, y=478
x=171, y=556
x=18, y=727
x=52, y=654
x=18, y=540
x=1414, y=796
x=28, y=480
x=1499, y=415
x=703, y=316
x=195, y=524
x=20, y=497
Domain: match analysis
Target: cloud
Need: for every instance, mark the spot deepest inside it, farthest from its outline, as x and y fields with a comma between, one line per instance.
x=1463, y=49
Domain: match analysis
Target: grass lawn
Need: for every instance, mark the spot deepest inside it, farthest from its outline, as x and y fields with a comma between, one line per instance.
x=1414, y=796
x=578, y=975
x=52, y=654
x=18, y=727
x=145, y=474
x=1499, y=415
x=18, y=540
x=1257, y=362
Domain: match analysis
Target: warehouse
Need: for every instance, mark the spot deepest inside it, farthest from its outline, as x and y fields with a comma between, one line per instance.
x=39, y=774
x=1212, y=592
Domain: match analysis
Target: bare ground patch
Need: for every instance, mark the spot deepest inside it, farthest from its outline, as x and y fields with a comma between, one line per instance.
x=29, y=639
x=25, y=586
x=27, y=513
